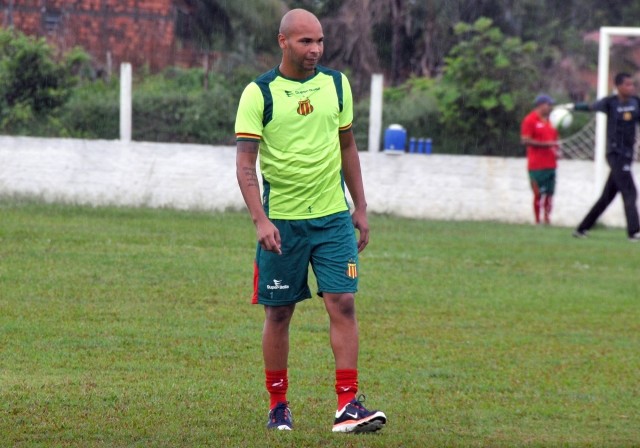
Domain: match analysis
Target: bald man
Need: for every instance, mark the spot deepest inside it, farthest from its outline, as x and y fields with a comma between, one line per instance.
x=298, y=117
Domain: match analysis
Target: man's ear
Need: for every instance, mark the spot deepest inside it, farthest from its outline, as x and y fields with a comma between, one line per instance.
x=282, y=41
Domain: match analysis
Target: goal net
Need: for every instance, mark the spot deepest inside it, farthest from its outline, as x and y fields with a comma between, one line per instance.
x=581, y=145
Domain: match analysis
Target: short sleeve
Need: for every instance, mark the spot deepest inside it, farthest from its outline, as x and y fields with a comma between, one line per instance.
x=346, y=115
x=250, y=113
x=527, y=126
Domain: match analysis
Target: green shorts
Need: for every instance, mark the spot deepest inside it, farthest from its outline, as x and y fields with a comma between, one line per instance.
x=544, y=181
x=327, y=243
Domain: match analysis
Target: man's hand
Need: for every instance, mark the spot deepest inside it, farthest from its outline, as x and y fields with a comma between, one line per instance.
x=269, y=236
x=360, y=222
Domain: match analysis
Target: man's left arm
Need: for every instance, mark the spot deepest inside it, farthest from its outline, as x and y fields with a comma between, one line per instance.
x=353, y=179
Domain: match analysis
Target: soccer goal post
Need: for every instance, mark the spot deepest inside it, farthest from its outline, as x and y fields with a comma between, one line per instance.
x=602, y=90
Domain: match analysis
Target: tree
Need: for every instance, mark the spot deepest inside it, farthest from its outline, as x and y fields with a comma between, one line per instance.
x=413, y=37
x=229, y=27
x=486, y=88
x=348, y=44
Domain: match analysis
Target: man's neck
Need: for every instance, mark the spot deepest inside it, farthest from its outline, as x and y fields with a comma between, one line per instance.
x=623, y=98
x=294, y=74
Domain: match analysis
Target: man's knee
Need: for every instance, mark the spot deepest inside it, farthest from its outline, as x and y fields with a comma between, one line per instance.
x=279, y=314
x=342, y=304
x=629, y=193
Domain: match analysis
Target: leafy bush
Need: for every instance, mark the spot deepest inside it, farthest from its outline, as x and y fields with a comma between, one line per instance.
x=92, y=112
x=188, y=118
x=361, y=124
x=168, y=107
x=486, y=90
x=32, y=82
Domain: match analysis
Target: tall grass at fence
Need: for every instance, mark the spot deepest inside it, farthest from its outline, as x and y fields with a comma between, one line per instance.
x=132, y=327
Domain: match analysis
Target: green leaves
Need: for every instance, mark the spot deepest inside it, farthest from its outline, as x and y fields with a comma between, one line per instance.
x=486, y=87
x=32, y=81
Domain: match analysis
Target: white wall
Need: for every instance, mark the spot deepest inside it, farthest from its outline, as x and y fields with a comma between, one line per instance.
x=447, y=187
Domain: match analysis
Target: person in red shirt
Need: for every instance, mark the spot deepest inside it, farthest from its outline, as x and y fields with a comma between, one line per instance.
x=541, y=139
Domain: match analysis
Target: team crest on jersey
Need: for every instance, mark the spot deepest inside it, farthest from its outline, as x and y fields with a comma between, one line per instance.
x=352, y=269
x=305, y=107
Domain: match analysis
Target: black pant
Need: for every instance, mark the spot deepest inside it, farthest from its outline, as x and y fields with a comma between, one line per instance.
x=620, y=180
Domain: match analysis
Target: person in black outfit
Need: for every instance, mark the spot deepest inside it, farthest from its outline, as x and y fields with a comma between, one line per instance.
x=623, y=114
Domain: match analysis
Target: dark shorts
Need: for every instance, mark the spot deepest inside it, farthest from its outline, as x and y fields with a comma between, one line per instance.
x=327, y=243
x=543, y=180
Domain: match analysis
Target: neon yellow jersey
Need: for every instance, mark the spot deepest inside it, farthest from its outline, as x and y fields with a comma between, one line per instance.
x=297, y=123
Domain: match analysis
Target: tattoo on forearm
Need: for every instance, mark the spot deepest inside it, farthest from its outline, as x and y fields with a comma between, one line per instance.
x=250, y=177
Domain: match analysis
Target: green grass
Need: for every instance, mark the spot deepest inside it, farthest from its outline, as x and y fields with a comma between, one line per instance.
x=132, y=327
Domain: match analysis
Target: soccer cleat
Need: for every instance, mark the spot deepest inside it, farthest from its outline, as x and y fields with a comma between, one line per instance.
x=280, y=418
x=354, y=417
x=635, y=237
x=579, y=234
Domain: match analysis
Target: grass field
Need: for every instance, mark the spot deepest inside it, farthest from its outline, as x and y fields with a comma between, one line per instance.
x=132, y=327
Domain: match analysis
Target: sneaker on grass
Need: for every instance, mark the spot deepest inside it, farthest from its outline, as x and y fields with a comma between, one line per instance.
x=635, y=237
x=354, y=417
x=579, y=234
x=280, y=418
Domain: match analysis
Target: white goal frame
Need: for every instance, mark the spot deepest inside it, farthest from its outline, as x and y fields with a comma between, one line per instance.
x=602, y=90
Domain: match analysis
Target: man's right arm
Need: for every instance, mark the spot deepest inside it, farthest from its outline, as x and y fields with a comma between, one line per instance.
x=246, y=157
x=267, y=234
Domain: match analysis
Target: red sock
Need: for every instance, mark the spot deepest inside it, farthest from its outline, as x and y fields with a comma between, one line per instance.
x=277, y=382
x=346, y=386
x=548, y=205
x=536, y=207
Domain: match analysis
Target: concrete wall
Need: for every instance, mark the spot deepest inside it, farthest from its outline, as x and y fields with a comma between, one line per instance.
x=202, y=177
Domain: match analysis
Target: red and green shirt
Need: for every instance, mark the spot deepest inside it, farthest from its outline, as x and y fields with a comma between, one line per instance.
x=539, y=129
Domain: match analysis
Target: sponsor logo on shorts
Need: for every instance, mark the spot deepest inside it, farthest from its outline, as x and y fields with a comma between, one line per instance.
x=277, y=284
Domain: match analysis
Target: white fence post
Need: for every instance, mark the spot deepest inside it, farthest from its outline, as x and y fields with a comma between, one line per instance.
x=125, y=102
x=375, y=112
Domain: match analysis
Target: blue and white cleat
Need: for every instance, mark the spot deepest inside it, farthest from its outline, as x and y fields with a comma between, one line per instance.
x=280, y=418
x=354, y=417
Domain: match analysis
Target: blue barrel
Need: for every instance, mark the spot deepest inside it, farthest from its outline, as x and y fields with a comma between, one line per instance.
x=395, y=139
x=412, y=145
x=421, y=146
x=427, y=146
